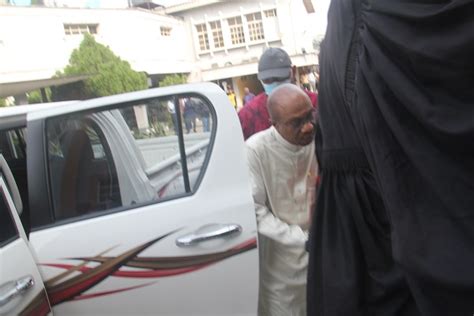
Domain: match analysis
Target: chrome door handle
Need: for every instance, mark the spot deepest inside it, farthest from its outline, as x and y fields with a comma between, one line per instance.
x=12, y=289
x=208, y=232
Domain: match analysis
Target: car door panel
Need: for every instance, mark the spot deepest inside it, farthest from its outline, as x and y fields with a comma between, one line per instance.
x=127, y=261
x=22, y=290
x=218, y=275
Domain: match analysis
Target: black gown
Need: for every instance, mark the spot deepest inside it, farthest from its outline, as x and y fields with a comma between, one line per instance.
x=393, y=228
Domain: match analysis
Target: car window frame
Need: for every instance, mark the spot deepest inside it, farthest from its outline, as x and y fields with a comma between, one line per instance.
x=49, y=219
x=3, y=192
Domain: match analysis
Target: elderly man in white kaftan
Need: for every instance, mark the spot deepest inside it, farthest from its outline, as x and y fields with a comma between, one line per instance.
x=283, y=171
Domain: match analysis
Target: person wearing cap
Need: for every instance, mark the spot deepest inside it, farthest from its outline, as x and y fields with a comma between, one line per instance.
x=283, y=173
x=274, y=69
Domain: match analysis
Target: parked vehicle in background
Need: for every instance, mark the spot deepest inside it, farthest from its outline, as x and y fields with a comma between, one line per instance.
x=109, y=207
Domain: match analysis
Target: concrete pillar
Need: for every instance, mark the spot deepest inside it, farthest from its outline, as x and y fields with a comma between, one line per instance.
x=21, y=99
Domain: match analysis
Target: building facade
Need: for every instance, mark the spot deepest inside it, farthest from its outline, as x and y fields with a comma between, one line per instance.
x=228, y=38
x=44, y=38
x=210, y=40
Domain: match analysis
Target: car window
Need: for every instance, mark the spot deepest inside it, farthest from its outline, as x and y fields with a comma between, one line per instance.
x=13, y=149
x=126, y=156
x=12, y=144
x=8, y=231
x=197, y=126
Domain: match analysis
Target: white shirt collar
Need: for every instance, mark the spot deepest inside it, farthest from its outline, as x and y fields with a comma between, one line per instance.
x=283, y=142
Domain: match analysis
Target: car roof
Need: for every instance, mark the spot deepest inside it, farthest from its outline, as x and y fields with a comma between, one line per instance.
x=15, y=116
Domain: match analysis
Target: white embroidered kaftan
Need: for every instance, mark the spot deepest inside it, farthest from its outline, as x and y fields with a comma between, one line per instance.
x=283, y=178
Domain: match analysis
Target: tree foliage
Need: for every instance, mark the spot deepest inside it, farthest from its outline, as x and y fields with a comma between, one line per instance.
x=35, y=96
x=317, y=42
x=109, y=74
x=171, y=80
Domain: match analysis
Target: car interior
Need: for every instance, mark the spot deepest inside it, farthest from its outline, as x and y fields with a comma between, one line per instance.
x=82, y=181
x=13, y=149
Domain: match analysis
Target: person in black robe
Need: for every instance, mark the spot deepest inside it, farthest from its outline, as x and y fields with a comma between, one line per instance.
x=393, y=228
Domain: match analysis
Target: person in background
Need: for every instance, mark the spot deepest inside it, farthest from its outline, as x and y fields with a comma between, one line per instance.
x=232, y=98
x=248, y=96
x=189, y=115
x=203, y=113
x=274, y=69
x=174, y=118
x=283, y=172
x=312, y=80
x=304, y=80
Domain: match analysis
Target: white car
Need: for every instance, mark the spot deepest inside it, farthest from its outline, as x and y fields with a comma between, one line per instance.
x=110, y=207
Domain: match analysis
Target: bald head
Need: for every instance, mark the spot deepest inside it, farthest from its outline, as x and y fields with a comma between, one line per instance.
x=284, y=99
x=292, y=114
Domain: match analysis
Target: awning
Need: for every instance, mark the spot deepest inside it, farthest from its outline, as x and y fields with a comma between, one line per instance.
x=15, y=88
x=252, y=68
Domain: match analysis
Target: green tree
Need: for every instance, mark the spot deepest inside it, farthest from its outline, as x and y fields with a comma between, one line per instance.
x=171, y=80
x=109, y=74
x=35, y=96
x=3, y=103
x=317, y=42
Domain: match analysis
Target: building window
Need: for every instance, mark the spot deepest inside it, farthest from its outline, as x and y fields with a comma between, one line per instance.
x=165, y=31
x=217, y=34
x=202, y=36
x=255, y=26
x=236, y=30
x=270, y=13
x=78, y=29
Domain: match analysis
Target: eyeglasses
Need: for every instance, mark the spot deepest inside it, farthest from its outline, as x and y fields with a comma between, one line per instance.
x=298, y=122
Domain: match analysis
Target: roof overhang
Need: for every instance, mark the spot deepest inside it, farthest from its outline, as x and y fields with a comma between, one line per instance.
x=230, y=71
x=149, y=5
x=15, y=88
x=163, y=67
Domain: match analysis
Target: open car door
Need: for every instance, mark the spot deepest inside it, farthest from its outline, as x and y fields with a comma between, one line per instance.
x=145, y=205
x=22, y=290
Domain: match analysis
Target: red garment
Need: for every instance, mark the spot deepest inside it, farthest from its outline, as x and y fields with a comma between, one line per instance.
x=254, y=116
